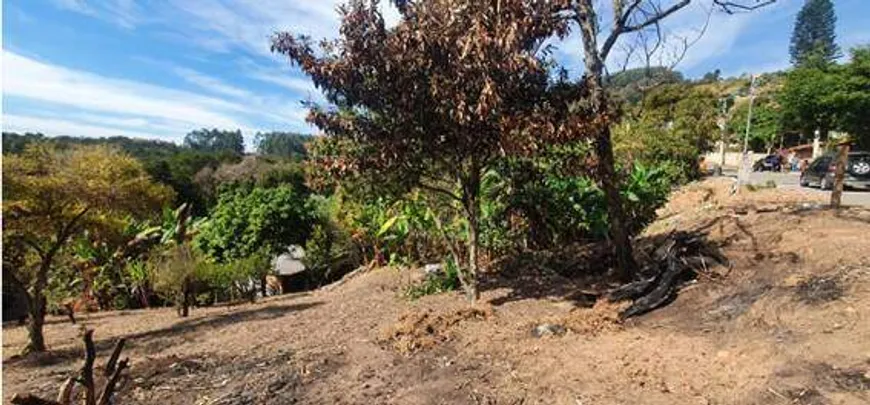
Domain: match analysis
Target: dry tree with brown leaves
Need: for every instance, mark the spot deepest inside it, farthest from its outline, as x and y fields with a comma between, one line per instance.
x=433, y=101
x=457, y=84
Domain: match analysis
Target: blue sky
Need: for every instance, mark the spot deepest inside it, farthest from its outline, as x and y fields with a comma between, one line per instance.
x=160, y=68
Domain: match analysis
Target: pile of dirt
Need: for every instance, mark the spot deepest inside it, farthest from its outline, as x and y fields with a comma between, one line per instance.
x=425, y=329
x=601, y=318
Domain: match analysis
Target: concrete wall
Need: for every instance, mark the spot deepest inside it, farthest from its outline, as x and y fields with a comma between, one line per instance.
x=732, y=159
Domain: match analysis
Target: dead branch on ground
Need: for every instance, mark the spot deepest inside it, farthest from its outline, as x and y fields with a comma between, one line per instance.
x=85, y=377
x=681, y=257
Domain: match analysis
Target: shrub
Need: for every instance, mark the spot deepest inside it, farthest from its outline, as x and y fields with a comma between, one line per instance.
x=245, y=221
x=539, y=206
x=174, y=270
x=436, y=283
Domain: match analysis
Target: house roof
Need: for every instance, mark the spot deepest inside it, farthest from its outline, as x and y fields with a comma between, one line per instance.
x=290, y=263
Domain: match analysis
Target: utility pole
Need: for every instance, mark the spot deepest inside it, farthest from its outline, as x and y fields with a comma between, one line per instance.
x=745, y=165
x=725, y=103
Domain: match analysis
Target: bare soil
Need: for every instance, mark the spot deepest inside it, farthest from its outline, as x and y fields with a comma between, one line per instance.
x=786, y=324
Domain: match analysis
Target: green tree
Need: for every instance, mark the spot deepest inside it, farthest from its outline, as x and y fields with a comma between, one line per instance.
x=673, y=125
x=16, y=143
x=50, y=196
x=713, y=76
x=245, y=221
x=627, y=18
x=806, y=100
x=250, y=171
x=178, y=170
x=632, y=84
x=215, y=140
x=281, y=144
x=766, y=126
x=851, y=97
x=813, y=38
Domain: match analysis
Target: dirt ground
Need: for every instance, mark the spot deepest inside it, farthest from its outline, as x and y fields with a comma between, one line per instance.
x=786, y=324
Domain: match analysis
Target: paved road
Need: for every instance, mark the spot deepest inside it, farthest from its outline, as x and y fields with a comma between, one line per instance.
x=791, y=180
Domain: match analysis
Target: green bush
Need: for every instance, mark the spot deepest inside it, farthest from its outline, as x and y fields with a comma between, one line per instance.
x=172, y=268
x=437, y=283
x=235, y=279
x=537, y=206
x=319, y=254
x=245, y=221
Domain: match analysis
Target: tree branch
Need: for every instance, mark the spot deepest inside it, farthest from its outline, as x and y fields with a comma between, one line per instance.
x=730, y=6
x=113, y=359
x=658, y=16
x=32, y=243
x=437, y=189
x=87, y=373
x=109, y=389
x=67, y=230
x=64, y=395
x=621, y=24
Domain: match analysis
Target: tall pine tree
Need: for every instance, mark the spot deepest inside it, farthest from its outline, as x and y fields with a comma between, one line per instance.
x=813, y=36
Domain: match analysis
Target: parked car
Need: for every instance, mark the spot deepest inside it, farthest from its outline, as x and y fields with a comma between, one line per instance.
x=820, y=173
x=770, y=163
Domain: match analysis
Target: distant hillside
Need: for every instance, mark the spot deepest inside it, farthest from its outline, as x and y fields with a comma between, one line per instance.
x=140, y=148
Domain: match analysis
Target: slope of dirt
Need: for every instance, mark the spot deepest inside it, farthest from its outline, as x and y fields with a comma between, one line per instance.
x=787, y=324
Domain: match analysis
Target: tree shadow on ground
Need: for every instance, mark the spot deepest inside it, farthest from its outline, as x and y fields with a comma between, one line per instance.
x=573, y=273
x=157, y=337
x=584, y=273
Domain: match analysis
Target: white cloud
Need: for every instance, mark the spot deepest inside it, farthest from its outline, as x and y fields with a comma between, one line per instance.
x=35, y=80
x=300, y=85
x=55, y=126
x=210, y=83
x=124, y=13
x=78, y=6
x=225, y=25
x=119, y=104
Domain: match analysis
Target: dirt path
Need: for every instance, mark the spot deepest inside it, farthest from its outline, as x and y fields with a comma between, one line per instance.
x=788, y=325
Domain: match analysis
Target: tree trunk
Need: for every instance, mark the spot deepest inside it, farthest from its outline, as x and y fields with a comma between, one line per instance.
x=839, y=176
x=34, y=325
x=37, y=304
x=36, y=299
x=617, y=222
x=471, y=291
x=619, y=237
x=184, y=308
x=470, y=194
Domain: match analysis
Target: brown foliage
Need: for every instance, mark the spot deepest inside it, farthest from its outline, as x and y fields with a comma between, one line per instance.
x=454, y=82
x=433, y=101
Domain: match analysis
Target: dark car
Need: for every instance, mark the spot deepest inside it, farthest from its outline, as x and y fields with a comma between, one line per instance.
x=821, y=172
x=770, y=163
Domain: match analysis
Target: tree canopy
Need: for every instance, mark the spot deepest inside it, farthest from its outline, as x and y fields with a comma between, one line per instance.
x=813, y=37
x=631, y=85
x=851, y=97
x=246, y=221
x=52, y=195
x=215, y=140
x=283, y=144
